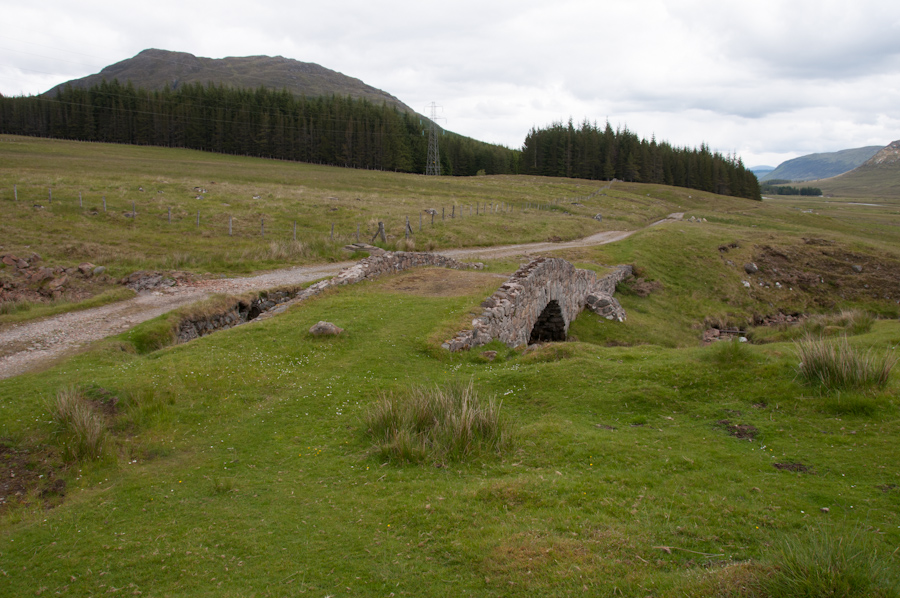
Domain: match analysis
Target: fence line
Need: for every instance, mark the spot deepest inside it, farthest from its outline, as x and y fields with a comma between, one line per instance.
x=135, y=216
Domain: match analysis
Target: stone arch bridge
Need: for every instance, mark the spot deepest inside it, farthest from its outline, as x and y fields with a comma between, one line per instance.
x=538, y=303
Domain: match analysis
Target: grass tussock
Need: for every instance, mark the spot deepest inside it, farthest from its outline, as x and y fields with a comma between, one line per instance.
x=436, y=425
x=14, y=307
x=835, y=365
x=80, y=429
x=730, y=353
x=848, y=321
x=830, y=562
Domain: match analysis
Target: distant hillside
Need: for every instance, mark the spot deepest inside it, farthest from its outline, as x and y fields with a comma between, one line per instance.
x=821, y=166
x=878, y=177
x=761, y=171
x=156, y=69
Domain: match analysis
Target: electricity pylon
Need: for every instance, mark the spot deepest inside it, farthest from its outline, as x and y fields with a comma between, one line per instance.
x=433, y=162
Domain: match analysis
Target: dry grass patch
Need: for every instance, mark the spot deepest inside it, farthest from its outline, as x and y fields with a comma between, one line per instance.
x=443, y=282
x=80, y=427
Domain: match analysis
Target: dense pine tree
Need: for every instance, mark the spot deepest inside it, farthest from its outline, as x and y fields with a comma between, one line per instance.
x=591, y=152
x=258, y=122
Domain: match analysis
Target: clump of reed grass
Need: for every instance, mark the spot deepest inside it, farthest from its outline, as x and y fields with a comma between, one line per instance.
x=830, y=562
x=436, y=424
x=80, y=429
x=836, y=365
x=730, y=353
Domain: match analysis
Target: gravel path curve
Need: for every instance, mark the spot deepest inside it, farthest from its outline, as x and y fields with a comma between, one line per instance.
x=33, y=345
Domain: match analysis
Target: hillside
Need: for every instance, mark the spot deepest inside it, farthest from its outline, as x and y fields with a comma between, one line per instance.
x=878, y=177
x=156, y=69
x=821, y=166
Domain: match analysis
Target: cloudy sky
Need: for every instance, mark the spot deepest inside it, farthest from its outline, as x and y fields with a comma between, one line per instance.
x=769, y=80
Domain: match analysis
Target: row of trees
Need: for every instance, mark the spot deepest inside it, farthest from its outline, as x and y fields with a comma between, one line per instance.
x=592, y=152
x=770, y=189
x=335, y=130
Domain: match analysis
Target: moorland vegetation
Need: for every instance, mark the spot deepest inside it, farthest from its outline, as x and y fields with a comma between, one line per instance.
x=633, y=459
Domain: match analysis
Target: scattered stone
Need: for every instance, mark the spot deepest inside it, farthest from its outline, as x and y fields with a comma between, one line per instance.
x=489, y=355
x=58, y=283
x=857, y=268
x=598, y=217
x=751, y=268
x=86, y=268
x=98, y=270
x=824, y=509
x=41, y=275
x=323, y=328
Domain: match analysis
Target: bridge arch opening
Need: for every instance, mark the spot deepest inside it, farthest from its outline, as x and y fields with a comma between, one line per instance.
x=550, y=325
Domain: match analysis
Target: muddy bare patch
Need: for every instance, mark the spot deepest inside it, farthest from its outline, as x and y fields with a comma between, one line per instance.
x=828, y=272
x=796, y=467
x=28, y=475
x=740, y=431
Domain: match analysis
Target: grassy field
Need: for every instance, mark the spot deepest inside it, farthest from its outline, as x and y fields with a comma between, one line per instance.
x=639, y=463
x=154, y=180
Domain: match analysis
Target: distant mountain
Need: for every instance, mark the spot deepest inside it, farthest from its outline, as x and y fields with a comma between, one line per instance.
x=821, y=166
x=877, y=177
x=761, y=171
x=155, y=69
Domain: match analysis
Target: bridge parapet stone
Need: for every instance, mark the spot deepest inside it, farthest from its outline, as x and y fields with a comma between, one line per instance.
x=511, y=313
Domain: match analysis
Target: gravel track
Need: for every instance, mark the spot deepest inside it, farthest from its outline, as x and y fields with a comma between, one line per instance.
x=34, y=345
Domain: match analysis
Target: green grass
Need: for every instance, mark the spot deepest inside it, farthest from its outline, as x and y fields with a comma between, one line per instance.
x=235, y=464
x=246, y=444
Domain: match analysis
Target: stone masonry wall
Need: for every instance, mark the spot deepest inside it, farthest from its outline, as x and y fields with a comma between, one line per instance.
x=510, y=313
x=270, y=303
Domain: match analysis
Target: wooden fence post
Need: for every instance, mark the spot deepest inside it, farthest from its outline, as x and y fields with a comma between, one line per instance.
x=198, y=218
x=262, y=227
x=80, y=203
x=230, y=218
x=295, y=230
x=380, y=233
x=16, y=192
x=104, y=203
x=170, y=214
x=50, y=196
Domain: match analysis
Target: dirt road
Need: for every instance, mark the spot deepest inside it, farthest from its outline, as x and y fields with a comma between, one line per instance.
x=32, y=345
